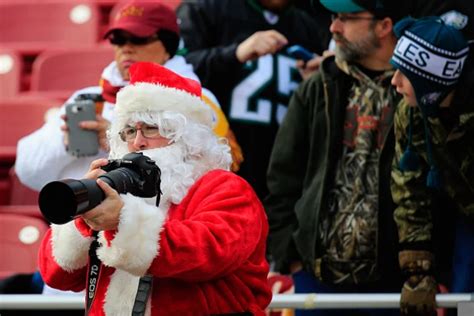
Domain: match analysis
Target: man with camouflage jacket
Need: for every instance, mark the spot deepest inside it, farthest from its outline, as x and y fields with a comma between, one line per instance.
x=433, y=169
x=330, y=208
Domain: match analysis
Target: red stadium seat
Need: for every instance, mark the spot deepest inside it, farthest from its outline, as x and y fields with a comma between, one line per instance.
x=20, y=238
x=20, y=117
x=65, y=71
x=24, y=210
x=36, y=25
x=10, y=72
x=20, y=194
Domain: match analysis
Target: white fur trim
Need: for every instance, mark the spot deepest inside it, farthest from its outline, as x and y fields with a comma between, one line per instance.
x=121, y=293
x=148, y=97
x=135, y=244
x=70, y=248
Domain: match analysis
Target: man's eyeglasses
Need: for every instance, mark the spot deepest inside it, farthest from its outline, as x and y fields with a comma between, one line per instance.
x=122, y=39
x=129, y=133
x=345, y=18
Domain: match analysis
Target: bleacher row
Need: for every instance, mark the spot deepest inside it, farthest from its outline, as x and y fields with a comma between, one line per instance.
x=48, y=49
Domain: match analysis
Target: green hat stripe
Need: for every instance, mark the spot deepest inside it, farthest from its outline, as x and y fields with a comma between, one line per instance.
x=428, y=45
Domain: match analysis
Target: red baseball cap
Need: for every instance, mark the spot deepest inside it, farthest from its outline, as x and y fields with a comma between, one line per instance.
x=143, y=18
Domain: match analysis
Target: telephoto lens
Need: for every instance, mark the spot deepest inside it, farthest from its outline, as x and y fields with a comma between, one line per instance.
x=61, y=201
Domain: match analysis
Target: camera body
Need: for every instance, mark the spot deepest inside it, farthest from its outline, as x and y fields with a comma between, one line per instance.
x=135, y=173
x=61, y=201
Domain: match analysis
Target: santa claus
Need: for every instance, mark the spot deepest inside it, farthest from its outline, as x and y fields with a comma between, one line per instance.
x=201, y=251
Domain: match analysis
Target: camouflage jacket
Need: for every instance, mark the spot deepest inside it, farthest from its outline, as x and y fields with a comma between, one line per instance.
x=308, y=146
x=453, y=155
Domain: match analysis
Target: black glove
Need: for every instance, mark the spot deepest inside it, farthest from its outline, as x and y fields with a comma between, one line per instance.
x=419, y=290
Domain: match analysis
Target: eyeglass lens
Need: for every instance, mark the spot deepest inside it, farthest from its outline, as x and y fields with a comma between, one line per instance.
x=148, y=131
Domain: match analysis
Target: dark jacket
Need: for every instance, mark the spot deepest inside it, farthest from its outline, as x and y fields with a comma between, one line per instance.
x=301, y=173
x=253, y=95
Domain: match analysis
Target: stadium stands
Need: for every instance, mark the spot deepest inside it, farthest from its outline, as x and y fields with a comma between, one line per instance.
x=24, y=210
x=58, y=73
x=20, y=194
x=10, y=72
x=20, y=116
x=20, y=237
x=39, y=25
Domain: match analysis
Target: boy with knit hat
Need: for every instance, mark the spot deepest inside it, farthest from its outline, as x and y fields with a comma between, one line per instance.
x=202, y=247
x=433, y=168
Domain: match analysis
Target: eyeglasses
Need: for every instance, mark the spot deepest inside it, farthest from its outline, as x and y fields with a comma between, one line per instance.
x=122, y=39
x=345, y=18
x=129, y=133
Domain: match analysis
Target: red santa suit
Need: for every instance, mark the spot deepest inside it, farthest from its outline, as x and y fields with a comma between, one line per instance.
x=206, y=253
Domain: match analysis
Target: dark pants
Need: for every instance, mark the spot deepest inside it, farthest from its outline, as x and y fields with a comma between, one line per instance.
x=463, y=259
x=307, y=283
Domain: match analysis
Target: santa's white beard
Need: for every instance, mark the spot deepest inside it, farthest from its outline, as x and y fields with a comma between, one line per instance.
x=177, y=175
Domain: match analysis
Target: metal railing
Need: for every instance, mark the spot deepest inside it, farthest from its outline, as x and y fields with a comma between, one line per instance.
x=300, y=301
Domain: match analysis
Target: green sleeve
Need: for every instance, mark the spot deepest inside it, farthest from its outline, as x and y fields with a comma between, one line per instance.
x=409, y=191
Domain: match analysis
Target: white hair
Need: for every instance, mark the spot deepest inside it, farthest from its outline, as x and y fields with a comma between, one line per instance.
x=201, y=150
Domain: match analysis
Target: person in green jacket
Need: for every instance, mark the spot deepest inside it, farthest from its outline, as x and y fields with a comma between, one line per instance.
x=434, y=160
x=330, y=207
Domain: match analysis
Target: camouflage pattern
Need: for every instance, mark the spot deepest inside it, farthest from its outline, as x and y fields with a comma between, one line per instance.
x=349, y=231
x=453, y=154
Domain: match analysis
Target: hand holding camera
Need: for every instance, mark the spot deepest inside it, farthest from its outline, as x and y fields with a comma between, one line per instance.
x=61, y=201
x=104, y=216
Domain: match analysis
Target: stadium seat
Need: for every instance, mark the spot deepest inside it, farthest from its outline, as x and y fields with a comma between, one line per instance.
x=20, y=194
x=10, y=72
x=65, y=71
x=20, y=238
x=24, y=210
x=19, y=117
x=37, y=25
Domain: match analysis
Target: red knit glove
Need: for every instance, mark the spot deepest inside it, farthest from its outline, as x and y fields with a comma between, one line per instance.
x=419, y=290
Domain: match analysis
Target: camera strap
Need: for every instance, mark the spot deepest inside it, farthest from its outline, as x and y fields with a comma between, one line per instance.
x=93, y=274
x=144, y=287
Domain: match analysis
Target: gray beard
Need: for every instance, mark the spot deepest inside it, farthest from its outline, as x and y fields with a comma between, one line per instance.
x=355, y=51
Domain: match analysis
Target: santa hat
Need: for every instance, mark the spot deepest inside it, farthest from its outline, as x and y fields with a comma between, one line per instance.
x=154, y=88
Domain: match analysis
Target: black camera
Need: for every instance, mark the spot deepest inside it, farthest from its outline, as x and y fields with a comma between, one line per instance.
x=61, y=201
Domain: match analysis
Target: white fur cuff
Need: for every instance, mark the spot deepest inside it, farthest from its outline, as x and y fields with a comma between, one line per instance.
x=70, y=248
x=135, y=244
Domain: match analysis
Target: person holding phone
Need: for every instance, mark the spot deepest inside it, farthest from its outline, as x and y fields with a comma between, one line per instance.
x=238, y=48
x=151, y=36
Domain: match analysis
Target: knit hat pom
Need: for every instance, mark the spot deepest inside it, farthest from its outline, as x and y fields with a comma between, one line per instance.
x=433, y=180
x=410, y=160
